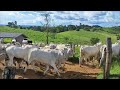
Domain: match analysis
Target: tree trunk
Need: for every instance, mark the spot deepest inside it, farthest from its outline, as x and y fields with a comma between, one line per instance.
x=47, y=37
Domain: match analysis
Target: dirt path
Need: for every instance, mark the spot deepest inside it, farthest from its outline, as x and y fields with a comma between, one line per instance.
x=72, y=71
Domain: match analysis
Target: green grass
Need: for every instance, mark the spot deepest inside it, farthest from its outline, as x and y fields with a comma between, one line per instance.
x=114, y=71
x=83, y=37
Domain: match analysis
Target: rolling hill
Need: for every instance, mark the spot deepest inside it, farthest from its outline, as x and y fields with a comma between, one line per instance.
x=80, y=37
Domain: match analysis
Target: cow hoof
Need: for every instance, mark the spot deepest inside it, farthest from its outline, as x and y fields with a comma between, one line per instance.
x=44, y=74
x=80, y=65
x=59, y=76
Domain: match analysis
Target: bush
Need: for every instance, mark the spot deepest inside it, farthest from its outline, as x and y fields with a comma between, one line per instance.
x=118, y=37
x=77, y=29
x=94, y=40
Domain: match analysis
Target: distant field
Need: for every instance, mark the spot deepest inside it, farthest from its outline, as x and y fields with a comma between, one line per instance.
x=80, y=37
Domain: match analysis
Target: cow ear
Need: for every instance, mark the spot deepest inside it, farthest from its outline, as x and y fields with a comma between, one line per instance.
x=3, y=48
x=105, y=49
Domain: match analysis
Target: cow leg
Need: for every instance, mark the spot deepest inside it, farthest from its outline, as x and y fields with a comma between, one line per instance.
x=63, y=68
x=14, y=63
x=80, y=61
x=11, y=61
x=63, y=64
x=25, y=68
x=93, y=60
x=6, y=62
x=86, y=60
x=55, y=68
x=3, y=63
x=34, y=66
x=101, y=61
x=47, y=68
x=19, y=65
x=59, y=64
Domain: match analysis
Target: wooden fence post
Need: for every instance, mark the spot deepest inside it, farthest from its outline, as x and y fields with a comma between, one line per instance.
x=74, y=48
x=108, y=58
x=104, y=64
x=70, y=45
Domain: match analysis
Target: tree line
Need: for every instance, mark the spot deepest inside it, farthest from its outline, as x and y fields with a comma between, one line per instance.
x=58, y=29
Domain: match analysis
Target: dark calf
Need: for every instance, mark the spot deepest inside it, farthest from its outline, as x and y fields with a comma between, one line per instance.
x=9, y=73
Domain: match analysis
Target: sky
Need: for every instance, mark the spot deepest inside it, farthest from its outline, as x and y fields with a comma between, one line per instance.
x=101, y=18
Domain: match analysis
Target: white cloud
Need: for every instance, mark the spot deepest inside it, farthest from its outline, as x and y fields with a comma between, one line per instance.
x=62, y=17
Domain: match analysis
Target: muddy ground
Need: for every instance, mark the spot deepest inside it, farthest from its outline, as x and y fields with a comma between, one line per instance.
x=71, y=71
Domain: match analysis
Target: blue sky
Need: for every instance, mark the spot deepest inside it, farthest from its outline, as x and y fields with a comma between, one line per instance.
x=102, y=18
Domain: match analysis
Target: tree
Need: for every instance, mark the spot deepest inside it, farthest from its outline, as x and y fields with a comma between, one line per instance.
x=77, y=29
x=47, y=20
x=94, y=40
x=71, y=27
x=15, y=23
x=10, y=24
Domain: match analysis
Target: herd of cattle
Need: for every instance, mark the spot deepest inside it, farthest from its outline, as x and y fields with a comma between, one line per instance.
x=51, y=55
x=97, y=52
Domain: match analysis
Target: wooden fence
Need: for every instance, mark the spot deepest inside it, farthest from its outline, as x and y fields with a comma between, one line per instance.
x=108, y=59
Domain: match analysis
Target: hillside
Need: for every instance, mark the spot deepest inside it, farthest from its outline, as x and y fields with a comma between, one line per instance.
x=81, y=37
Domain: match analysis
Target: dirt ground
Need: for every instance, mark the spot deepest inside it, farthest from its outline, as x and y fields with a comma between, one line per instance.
x=71, y=71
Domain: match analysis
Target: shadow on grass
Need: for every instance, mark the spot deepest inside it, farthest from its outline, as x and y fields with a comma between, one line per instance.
x=114, y=76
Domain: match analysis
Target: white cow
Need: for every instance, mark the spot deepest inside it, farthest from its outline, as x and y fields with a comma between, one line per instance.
x=18, y=52
x=86, y=52
x=67, y=52
x=115, y=52
x=48, y=57
x=3, y=55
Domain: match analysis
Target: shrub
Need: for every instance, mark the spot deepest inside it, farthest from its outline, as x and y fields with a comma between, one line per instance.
x=118, y=37
x=94, y=40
